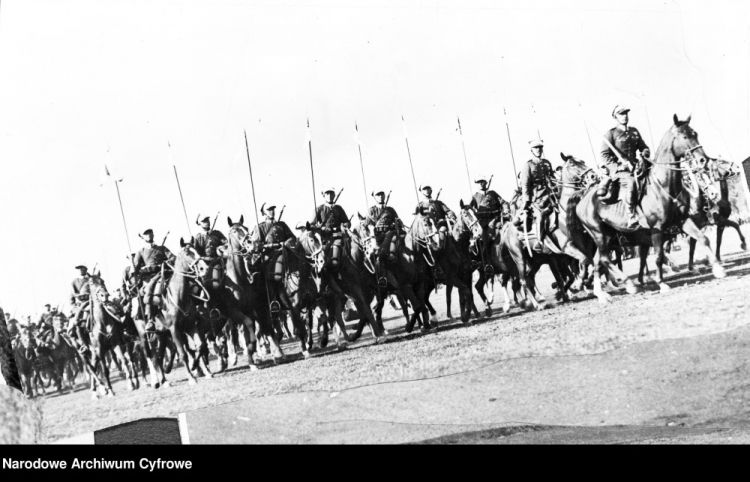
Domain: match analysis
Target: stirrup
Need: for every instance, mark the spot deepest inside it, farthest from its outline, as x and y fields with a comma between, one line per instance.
x=382, y=283
x=489, y=271
x=275, y=308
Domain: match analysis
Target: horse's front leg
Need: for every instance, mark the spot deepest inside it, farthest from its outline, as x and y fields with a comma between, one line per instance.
x=125, y=361
x=692, y=230
x=180, y=347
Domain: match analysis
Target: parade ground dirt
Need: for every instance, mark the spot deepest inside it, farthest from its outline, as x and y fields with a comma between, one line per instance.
x=654, y=367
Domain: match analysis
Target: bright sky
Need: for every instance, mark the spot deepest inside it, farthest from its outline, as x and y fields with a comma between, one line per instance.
x=80, y=77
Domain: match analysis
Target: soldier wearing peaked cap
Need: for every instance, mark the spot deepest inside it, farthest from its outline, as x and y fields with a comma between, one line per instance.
x=269, y=238
x=387, y=226
x=489, y=207
x=331, y=218
x=537, y=182
x=207, y=242
x=148, y=265
x=434, y=208
x=620, y=165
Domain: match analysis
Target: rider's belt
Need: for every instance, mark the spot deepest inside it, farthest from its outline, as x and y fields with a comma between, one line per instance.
x=382, y=229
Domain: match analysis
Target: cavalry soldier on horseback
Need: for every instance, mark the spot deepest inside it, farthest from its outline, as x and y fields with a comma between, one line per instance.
x=388, y=227
x=330, y=218
x=46, y=317
x=12, y=325
x=148, y=265
x=619, y=157
x=207, y=242
x=537, y=184
x=489, y=206
x=79, y=298
x=268, y=238
x=435, y=208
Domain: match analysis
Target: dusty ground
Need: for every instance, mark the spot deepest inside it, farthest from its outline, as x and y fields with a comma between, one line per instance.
x=546, y=346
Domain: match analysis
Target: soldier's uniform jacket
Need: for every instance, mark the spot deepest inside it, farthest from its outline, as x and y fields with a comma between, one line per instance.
x=383, y=218
x=535, y=181
x=628, y=142
x=280, y=234
x=330, y=216
x=149, y=260
x=79, y=291
x=201, y=240
x=487, y=203
x=436, y=209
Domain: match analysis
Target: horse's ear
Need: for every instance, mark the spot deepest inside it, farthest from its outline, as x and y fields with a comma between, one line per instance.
x=242, y=219
x=564, y=157
x=229, y=220
x=676, y=120
x=461, y=203
x=307, y=225
x=687, y=121
x=182, y=243
x=361, y=218
x=192, y=240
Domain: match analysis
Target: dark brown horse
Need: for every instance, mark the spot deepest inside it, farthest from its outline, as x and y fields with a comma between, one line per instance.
x=246, y=300
x=25, y=355
x=664, y=202
x=107, y=335
x=720, y=172
x=346, y=281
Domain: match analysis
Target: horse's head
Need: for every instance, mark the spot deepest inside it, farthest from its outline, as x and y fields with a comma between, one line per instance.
x=98, y=288
x=312, y=245
x=685, y=142
x=188, y=260
x=468, y=221
x=26, y=339
x=424, y=231
x=576, y=174
x=721, y=169
x=239, y=236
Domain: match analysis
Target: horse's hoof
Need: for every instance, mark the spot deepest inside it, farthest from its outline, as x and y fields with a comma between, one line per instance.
x=306, y=354
x=506, y=308
x=341, y=347
x=450, y=317
x=192, y=381
x=209, y=375
x=166, y=385
x=488, y=312
x=277, y=360
x=94, y=396
x=233, y=360
x=433, y=318
x=468, y=323
x=253, y=367
x=719, y=271
x=664, y=287
x=743, y=247
x=631, y=288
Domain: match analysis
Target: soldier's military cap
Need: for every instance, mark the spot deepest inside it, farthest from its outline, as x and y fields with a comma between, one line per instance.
x=536, y=143
x=620, y=109
x=80, y=266
x=207, y=219
x=148, y=231
x=481, y=177
x=424, y=186
x=330, y=189
x=266, y=206
x=47, y=304
x=376, y=192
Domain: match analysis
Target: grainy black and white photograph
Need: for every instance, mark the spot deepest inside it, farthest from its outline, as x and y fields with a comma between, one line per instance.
x=375, y=221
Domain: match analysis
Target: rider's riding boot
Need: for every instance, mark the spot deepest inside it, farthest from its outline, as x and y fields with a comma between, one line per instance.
x=380, y=272
x=603, y=189
x=539, y=246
